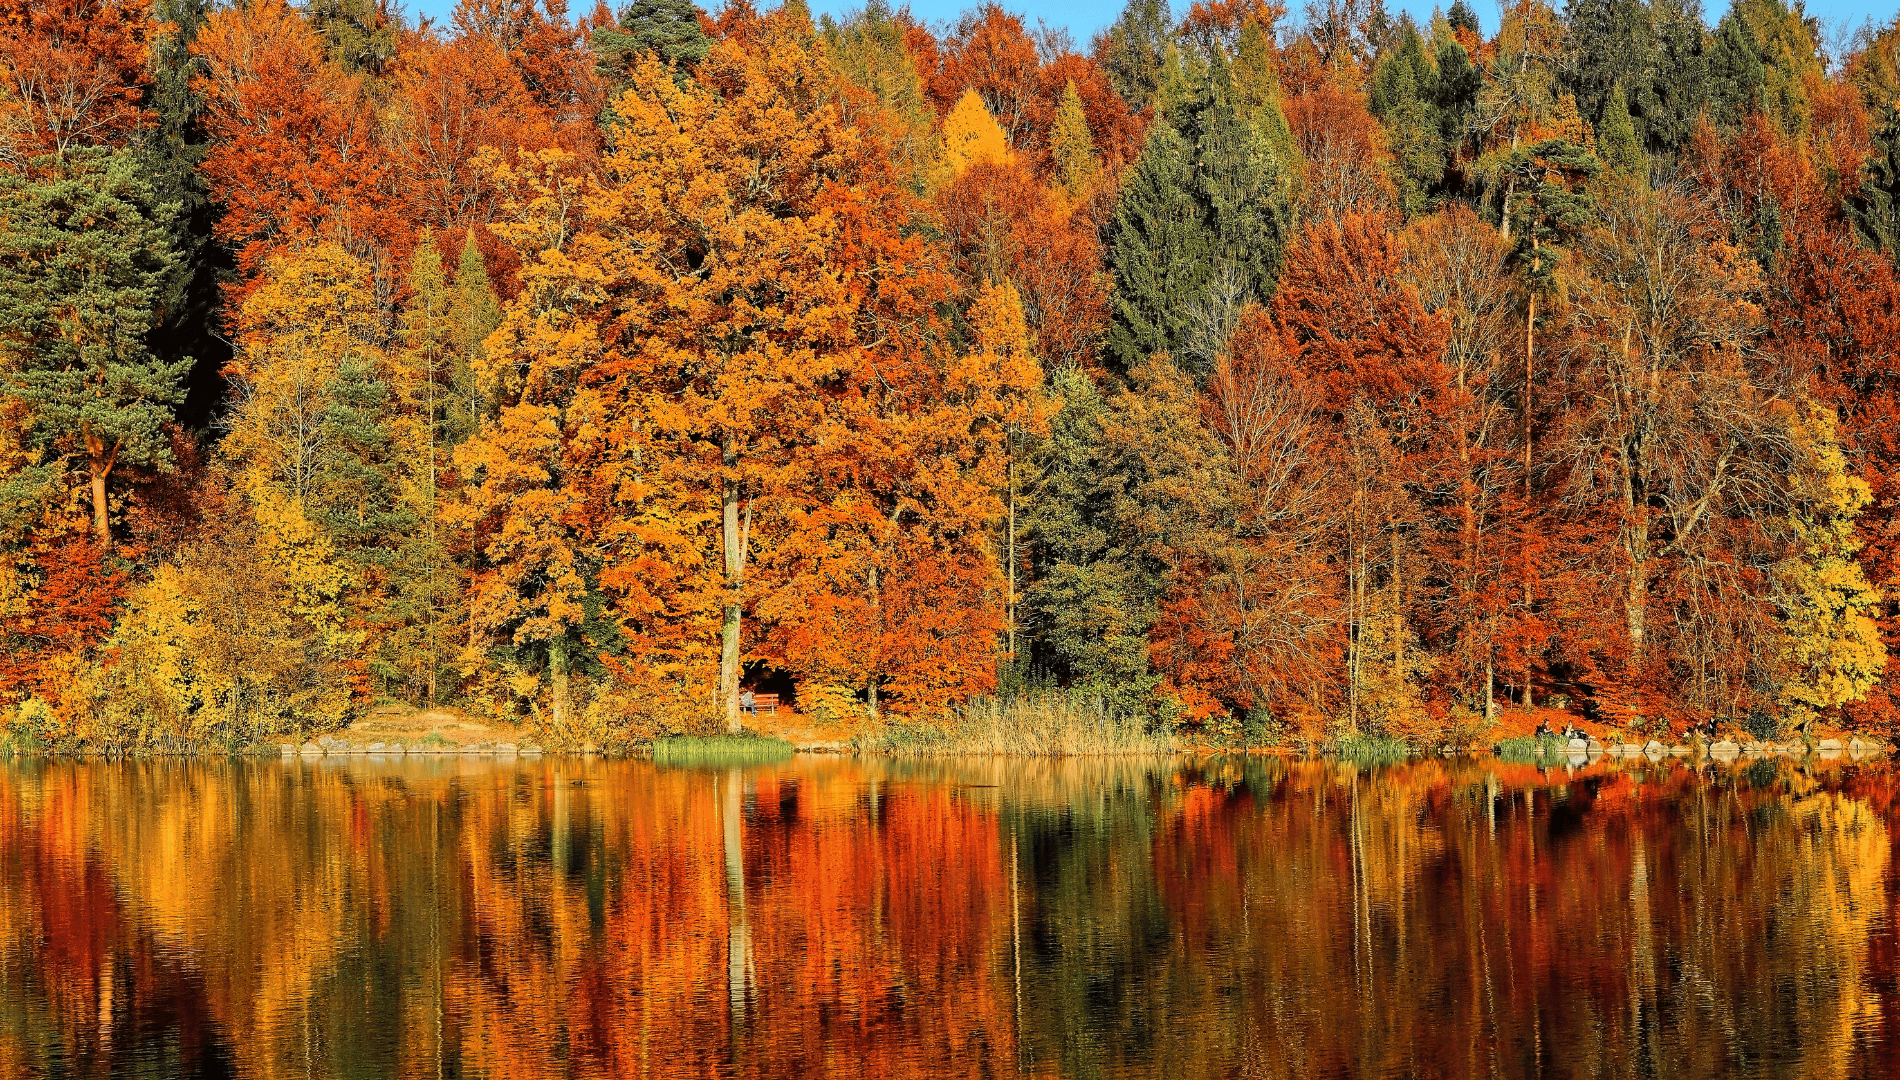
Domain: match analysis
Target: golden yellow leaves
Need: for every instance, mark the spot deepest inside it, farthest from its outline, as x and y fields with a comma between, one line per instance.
x=972, y=136
x=1831, y=640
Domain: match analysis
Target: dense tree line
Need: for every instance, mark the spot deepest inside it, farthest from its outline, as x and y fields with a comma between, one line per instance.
x=1266, y=377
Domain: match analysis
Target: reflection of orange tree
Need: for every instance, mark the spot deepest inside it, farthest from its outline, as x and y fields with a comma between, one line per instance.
x=1511, y=926
x=881, y=918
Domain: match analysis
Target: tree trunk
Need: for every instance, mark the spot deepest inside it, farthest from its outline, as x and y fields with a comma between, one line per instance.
x=1398, y=616
x=877, y=620
x=1530, y=340
x=1638, y=590
x=1012, y=552
x=734, y=543
x=100, y=459
x=557, y=673
x=1490, y=699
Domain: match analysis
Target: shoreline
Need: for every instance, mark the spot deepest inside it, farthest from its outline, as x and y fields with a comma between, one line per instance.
x=1854, y=749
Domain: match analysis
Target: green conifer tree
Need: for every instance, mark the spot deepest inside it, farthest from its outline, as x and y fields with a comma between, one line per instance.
x=1462, y=17
x=172, y=148
x=1456, y=88
x=1404, y=96
x=84, y=257
x=1132, y=49
x=1680, y=90
x=1261, y=101
x=1238, y=185
x=668, y=29
x=473, y=315
x=359, y=35
x=1090, y=603
x=1157, y=248
x=1612, y=43
x=1617, y=144
x=1875, y=209
x=1737, y=73
x=1185, y=268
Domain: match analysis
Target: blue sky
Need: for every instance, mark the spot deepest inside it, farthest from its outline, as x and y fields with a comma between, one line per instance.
x=1084, y=19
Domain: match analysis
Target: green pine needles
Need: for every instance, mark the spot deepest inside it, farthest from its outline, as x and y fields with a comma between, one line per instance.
x=82, y=262
x=1202, y=225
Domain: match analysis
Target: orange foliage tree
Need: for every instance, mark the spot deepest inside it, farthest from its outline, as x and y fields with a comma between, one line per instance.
x=294, y=153
x=75, y=73
x=734, y=368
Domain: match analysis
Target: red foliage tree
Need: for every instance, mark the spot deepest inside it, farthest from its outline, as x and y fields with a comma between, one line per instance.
x=295, y=153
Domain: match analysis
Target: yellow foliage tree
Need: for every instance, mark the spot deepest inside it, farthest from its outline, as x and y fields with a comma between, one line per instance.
x=1831, y=643
x=971, y=135
x=1071, y=145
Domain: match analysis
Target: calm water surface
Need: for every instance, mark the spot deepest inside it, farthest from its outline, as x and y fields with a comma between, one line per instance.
x=1176, y=918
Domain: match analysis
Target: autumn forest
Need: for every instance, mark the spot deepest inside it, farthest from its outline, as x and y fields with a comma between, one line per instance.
x=1255, y=374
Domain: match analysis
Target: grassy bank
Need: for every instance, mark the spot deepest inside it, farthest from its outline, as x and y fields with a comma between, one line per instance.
x=1052, y=726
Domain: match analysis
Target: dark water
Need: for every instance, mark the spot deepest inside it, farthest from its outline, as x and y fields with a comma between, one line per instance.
x=872, y=918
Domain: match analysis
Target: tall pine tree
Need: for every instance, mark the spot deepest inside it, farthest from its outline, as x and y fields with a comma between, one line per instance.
x=83, y=260
x=1875, y=209
x=1202, y=225
x=1158, y=250
x=173, y=147
x=668, y=29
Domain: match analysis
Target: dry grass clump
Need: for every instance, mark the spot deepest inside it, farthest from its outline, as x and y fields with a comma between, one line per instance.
x=1053, y=725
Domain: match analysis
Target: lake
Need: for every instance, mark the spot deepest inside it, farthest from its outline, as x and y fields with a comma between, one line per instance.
x=1183, y=917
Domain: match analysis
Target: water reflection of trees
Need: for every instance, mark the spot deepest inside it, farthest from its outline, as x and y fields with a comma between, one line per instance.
x=1081, y=918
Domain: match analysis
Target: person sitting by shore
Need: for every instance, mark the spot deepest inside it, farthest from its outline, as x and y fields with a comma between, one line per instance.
x=748, y=703
x=1543, y=729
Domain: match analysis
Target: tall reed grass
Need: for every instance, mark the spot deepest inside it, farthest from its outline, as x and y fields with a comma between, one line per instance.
x=742, y=749
x=1533, y=748
x=1044, y=725
x=1373, y=749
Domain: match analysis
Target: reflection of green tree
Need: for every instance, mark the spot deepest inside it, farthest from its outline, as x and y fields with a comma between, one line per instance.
x=1094, y=931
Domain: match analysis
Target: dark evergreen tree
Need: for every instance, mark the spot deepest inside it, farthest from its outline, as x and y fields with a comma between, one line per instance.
x=84, y=258
x=1456, y=90
x=1555, y=206
x=1680, y=88
x=1131, y=50
x=1092, y=600
x=359, y=35
x=1653, y=51
x=1238, y=184
x=474, y=312
x=668, y=29
x=172, y=148
x=1737, y=72
x=362, y=506
x=1875, y=209
x=1183, y=272
x=1612, y=43
x=1404, y=96
x=1158, y=249
x=1462, y=17
x=1616, y=136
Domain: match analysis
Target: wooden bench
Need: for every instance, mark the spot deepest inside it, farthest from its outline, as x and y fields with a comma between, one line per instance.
x=764, y=703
